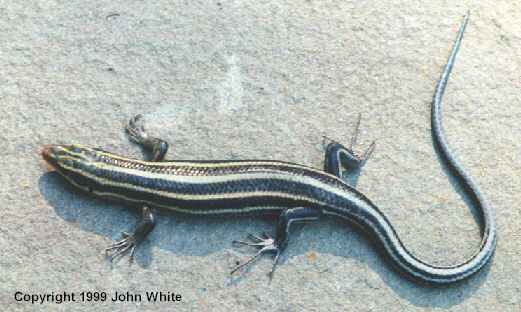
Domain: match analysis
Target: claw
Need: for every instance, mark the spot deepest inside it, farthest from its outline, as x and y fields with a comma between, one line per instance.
x=325, y=139
x=136, y=132
x=367, y=153
x=122, y=246
x=254, y=237
x=131, y=256
x=245, y=243
x=355, y=133
x=266, y=244
x=275, y=262
x=351, y=149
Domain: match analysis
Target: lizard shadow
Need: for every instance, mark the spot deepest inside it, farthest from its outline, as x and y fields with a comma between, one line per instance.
x=196, y=236
x=189, y=235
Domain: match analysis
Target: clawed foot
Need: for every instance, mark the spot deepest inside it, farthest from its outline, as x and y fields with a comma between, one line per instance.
x=264, y=244
x=119, y=247
x=137, y=132
x=351, y=148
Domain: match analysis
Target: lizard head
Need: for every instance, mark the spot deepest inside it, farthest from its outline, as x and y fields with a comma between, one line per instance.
x=75, y=162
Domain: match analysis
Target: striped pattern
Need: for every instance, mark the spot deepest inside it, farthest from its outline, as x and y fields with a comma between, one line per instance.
x=238, y=187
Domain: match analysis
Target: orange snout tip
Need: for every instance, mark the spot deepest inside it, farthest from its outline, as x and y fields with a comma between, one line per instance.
x=46, y=151
x=46, y=148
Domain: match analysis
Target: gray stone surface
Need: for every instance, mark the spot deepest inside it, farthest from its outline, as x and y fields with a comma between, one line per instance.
x=259, y=79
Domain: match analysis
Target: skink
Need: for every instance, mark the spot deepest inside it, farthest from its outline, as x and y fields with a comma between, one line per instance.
x=296, y=192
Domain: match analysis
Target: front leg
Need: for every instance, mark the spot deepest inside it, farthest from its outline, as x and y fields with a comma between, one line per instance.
x=129, y=242
x=137, y=133
x=157, y=149
x=278, y=244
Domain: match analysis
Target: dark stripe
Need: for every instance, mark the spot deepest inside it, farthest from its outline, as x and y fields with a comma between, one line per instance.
x=193, y=204
x=240, y=186
x=238, y=167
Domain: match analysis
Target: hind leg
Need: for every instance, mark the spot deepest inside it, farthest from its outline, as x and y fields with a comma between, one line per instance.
x=339, y=158
x=276, y=245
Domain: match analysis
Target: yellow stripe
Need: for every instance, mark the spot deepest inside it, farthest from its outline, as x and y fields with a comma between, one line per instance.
x=190, y=211
x=222, y=163
x=194, y=179
x=184, y=196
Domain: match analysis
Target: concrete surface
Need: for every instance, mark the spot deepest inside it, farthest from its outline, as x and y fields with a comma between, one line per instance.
x=260, y=79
